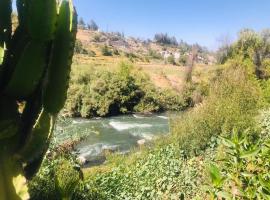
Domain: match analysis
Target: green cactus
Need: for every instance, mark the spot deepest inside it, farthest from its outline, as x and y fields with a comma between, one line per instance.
x=35, y=64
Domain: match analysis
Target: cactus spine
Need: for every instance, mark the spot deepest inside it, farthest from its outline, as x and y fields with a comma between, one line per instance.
x=34, y=68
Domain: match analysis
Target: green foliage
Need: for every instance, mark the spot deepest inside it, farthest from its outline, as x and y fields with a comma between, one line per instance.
x=265, y=84
x=243, y=168
x=79, y=49
x=175, y=167
x=251, y=46
x=106, y=51
x=160, y=173
x=233, y=102
x=58, y=178
x=183, y=60
x=171, y=60
x=108, y=93
x=66, y=179
x=264, y=123
x=154, y=54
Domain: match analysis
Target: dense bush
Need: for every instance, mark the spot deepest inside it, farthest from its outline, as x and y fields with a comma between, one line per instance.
x=171, y=60
x=108, y=93
x=251, y=46
x=79, y=49
x=183, y=60
x=44, y=185
x=154, y=54
x=233, y=102
x=106, y=51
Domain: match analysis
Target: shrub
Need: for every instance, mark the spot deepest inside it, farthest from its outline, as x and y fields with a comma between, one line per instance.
x=97, y=37
x=171, y=60
x=116, y=52
x=154, y=54
x=106, y=93
x=233, y=102
x=106, y=51
x=183, y=60
x=79, y=48
x=56, y=179
x=243, y=168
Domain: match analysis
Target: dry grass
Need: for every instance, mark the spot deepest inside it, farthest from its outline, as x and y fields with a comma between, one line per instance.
x=162, y=75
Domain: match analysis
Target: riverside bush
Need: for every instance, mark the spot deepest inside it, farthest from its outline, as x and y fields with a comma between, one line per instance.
x=127, y=90
x=233, y=102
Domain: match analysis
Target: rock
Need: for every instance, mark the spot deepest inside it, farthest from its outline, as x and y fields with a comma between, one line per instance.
x=82, y=160
x=141, y=142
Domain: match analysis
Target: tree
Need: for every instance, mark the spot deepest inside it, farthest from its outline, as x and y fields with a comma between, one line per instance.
x=81, y=23
x=92, y=25
x=164, y=39
x=224, y=49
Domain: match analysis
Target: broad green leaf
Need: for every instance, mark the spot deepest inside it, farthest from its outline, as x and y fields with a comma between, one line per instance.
x=250, y=153
x=215, y=175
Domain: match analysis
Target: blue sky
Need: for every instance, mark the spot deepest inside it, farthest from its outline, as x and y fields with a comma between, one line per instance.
x=202, y=21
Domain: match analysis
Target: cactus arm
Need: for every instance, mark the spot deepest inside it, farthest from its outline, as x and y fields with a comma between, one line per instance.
x=34, y=65
x=7, y=172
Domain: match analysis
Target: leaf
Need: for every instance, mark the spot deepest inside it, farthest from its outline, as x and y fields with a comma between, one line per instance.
x=215, y=175
x=265, y=184
x=227, y=142
x=250, y=153
x=225, y=195
x=245, y=174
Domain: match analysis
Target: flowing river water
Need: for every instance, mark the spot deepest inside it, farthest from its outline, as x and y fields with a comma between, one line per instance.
x=114, y=134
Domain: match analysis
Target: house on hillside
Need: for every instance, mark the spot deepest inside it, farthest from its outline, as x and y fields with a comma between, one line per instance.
x=176, y=55
x=167, y=54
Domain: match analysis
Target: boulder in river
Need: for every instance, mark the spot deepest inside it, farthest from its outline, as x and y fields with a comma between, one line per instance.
x=141, y=142
x=82, y=160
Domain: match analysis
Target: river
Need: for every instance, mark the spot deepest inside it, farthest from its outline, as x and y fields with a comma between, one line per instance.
x=114, y=134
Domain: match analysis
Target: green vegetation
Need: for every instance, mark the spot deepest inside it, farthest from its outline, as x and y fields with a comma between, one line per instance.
x=244, y=168
x=233, y=101
x=106, y=51
x=177, y=167
x=171, y=60
x=127, y=90
x=218, y=149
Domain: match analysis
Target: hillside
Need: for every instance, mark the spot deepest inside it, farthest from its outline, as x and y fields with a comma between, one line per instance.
x=165, y=64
